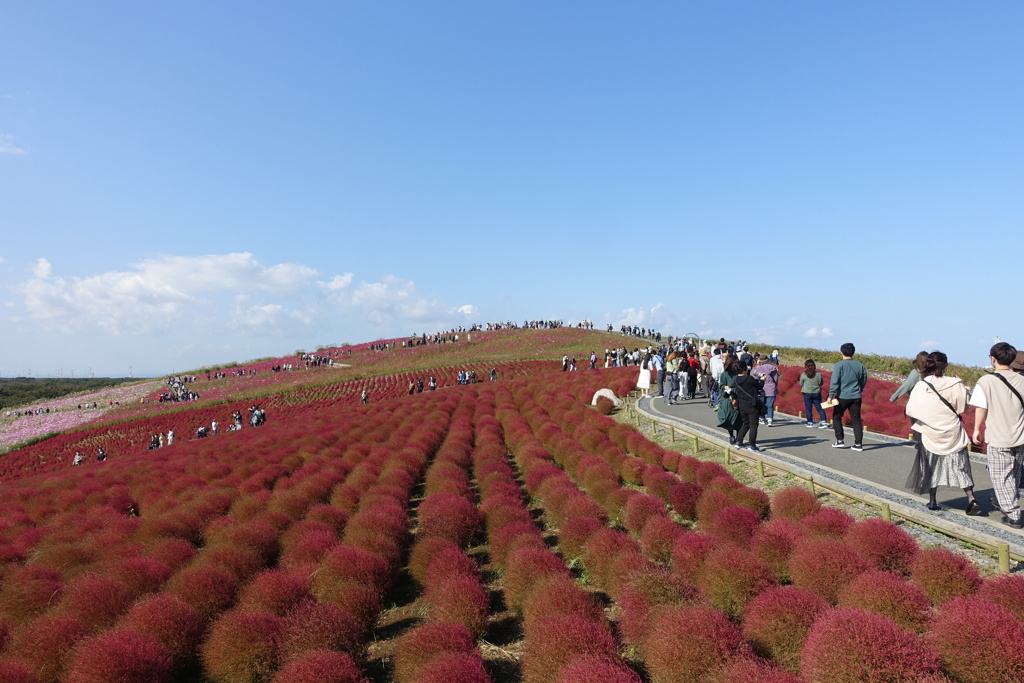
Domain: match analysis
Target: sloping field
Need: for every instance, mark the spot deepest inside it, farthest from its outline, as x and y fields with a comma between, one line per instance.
x=497, y=531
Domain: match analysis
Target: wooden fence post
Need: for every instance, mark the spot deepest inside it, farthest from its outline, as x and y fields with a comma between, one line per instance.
x=1004, y=558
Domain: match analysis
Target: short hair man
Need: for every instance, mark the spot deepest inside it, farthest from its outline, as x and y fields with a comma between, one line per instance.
x=849, y=378
x=998, y=399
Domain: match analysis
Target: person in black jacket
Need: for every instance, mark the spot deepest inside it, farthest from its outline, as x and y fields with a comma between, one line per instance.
x=745, y=392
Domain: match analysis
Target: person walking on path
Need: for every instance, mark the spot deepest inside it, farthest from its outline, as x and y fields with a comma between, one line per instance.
x=716, y=366
x=658, y=366
x=811, y=383
x=671, y=381
x=913, y=378
x=935, y=405
x=849, y=378
x=767, y=372
x=728, y=417
x=744, y=393
x=998, y=399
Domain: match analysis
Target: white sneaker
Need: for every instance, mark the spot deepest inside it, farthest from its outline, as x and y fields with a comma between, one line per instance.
x=824, y=425
x=769, y=423
x=810, y=425
x=839, y=444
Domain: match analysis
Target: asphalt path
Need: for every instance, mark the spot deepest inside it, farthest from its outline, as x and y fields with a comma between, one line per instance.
x=881, y=468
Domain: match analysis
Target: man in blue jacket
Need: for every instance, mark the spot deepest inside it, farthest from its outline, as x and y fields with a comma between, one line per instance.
x=849, y=377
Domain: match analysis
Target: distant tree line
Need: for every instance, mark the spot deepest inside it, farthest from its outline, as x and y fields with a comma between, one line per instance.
x=19, y=391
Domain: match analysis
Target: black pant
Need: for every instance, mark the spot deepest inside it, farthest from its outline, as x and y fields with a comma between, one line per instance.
x=853, y=405
x=749, y=416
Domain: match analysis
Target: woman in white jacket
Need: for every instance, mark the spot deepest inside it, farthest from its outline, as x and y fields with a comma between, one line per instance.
x=935, y=406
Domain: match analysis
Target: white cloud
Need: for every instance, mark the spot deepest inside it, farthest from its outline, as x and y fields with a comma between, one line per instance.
x=7, y=145
x=818, y=332
x=928, y=345
x=224, y=291
x=41, y=268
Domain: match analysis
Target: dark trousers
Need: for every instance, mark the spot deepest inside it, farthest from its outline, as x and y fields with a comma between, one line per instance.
x=852, y=405
x=749, y=416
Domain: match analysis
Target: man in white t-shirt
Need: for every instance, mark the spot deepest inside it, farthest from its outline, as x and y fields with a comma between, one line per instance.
x=999, y=402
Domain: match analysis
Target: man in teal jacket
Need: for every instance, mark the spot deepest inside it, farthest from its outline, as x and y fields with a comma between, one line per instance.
x=849, y=377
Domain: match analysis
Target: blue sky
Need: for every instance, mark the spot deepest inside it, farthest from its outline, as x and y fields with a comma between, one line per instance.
x=190, y=183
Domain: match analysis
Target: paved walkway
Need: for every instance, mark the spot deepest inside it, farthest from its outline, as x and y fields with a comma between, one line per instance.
x=880, y=469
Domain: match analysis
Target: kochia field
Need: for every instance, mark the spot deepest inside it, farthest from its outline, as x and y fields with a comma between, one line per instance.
x=498, y=531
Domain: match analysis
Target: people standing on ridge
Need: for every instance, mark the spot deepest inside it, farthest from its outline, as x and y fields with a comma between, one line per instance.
x=935, y=406
x=998, y=399
x=849, y=377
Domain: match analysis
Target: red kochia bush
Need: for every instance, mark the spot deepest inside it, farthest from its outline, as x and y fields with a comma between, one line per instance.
x=753, y=671
x=753, y=499
x=422, y=645
x=882, y=544
x=850, y=645
x=174, y=552
x=639, y=510
x=731, y=578
x=684, y=497
x=689, y=553
x=601, y=550
x=315, y=626
x=96, y=601
x=525, y=567
x=978, y=642
x=559, y=594
x=120, y=656
x=455, y=667
x=448, y=516
x=449, y=562
x=558, y=639
x=889, y=595
x=422, y=553
x=659, y=537
x=170, y=621
x=824, y=566
x=603, y=670
x=735, y=524
x=773, y=543
x=27, y=591
x=828, y=523
x=15, y=671
x=511, y=536
x=141, y=574
x=777, y=621
x=45, y=645
x=320, y=666
x=794, y=503
x=274, y=591
x=1006, y=591
x=209, y=589
x=574, y=535
x=642, y=594
x=943, y=574
x=459, y=599
x=686, y=644
x=242, y=647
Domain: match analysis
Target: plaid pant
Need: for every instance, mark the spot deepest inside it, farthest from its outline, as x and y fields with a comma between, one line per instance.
x=1004, y=465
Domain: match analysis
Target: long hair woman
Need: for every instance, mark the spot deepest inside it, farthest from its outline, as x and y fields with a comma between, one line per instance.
x=729, y=418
